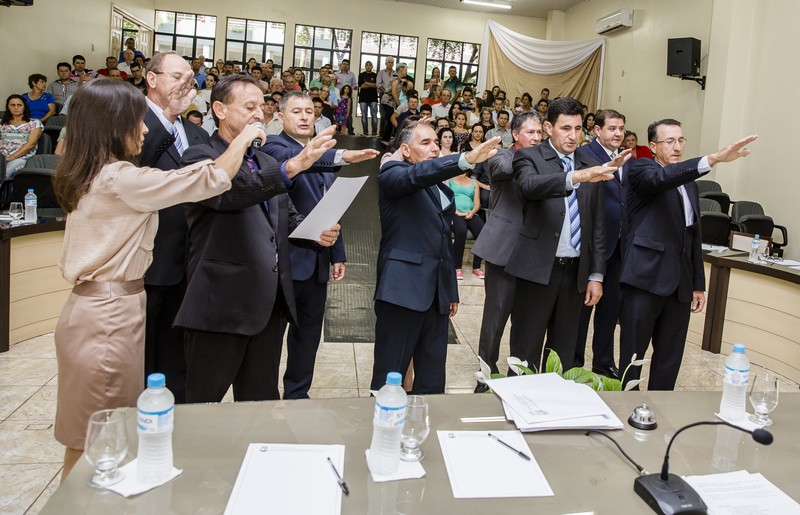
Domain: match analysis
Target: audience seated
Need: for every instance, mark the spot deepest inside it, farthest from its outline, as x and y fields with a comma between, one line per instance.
x=637, y=151
x=19, y=134
x=42, y=105
x=111, y=64
x=65, y=86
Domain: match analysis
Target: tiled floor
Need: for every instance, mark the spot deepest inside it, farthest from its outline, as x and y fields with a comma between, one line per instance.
x=30, y=459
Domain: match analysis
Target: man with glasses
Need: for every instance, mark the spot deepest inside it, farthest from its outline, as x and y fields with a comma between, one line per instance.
x=662, y=277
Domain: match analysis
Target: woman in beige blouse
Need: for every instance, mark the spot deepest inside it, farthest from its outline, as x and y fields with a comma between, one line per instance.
x=113, y=217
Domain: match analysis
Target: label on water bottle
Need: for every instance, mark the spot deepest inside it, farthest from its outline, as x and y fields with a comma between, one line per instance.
x=389, y=417
x=155, y=421
x=737, y=377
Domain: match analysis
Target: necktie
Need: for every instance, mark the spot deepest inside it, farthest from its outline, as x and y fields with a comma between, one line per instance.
x=611, y=156
x=177, y=134
x=574, y=216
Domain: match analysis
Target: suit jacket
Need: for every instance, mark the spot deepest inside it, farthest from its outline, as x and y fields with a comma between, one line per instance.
x=539, y=174
x=660, y=254
x=233, y=276
x=415, y=260
x=169, y=250
x=615, y=193
x=501, y=232
x=309, y=188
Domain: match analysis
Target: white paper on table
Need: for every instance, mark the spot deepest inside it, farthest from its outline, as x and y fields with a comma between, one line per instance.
x=330, y=209
x=481, y=468
x=130, y=484
x=406, y=470
x=714, y=248
x=744, y=422
x=279, y=478
x=787, y=262
x=735, y=493
x=795, y=267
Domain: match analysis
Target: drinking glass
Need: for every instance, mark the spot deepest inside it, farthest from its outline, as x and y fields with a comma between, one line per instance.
x=763, y=397
x=16, y=212
x=106, y=446
x=416, y=428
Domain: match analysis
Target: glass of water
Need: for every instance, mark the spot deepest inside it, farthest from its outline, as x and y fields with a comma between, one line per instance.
x=764, y=397
x=106, y=446
x=416, y=428
x=15, y=211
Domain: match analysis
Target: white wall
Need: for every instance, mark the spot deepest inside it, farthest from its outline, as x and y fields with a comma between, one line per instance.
x=34, y=39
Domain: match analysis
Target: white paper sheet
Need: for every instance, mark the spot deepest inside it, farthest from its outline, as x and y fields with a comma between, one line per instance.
x=787, y=262
x=406, y=470
x=737, y=493
x=277, y=478
x=480, y=467
x=714, y=248
x=330, y=209
x=130, y=484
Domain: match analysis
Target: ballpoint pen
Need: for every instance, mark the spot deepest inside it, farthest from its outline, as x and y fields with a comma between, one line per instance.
x=339, y=479
x=515, y=451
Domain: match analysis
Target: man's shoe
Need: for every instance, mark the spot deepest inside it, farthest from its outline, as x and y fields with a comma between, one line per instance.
x=482, y=388
x=610, y=371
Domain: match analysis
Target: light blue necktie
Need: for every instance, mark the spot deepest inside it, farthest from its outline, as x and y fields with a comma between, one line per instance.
x=574, y=216
x=177, y=134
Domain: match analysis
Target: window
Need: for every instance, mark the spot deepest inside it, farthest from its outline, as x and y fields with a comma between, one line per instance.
x=443, y=54
x=258, y=39
x=189, y=35
x=376, y=47
x=317, y=46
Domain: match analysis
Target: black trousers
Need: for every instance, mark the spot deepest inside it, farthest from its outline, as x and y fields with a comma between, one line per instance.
x=665, y=321
x=498, y=306
x=606, y=316
x=302, y=342
x=163, y=343
x=215, y=361
x=553, y=310
x=460, y=226
x=386, y=125
x=401, y=334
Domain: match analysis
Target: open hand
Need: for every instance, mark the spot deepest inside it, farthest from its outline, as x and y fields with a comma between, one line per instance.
x=356, y=156
x=314, y=150
x=483, y=151
x=732, y=152
x=181, y=95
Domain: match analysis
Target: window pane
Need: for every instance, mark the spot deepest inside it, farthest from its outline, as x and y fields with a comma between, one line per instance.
x=408, y=46
x=165, y=22
x=452, y=51
x=276, y=54
x=412, y=66
x=338, y=57
x=371, y=58
x=255, y=51
x=235, y=51
x=430, y=65
x=323, y=37
x=435, y=49
x=205, y=47
x=471, y=53
x=370, y=42
x=320, y=58
x=256, y=30
x=185, y=46
x=344, y=38
x=470, y=74
x=163, y=43
x=390, y=44
x=303, y=36
x=207, y=26
x=235, y=29
x=302, y=57
x=276, y=33
x=185, y=24
x=446, y=70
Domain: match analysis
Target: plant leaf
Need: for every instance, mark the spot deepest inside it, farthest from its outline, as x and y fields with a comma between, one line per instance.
x=518, y=366
x=610, y=385
x=480, y=377
x=553, y=363
x=632, y=384
x=640, y=362
x=485, y=368
x=579, y=375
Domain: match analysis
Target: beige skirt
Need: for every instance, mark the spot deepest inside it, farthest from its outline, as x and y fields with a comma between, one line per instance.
x=100, y=350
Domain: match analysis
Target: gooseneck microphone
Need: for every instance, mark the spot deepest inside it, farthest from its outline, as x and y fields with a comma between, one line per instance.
x=256, y=144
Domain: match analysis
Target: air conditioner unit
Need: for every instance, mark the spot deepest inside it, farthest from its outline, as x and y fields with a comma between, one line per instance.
x=615, y=21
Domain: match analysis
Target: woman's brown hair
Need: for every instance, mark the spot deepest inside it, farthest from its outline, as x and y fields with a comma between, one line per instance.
x=105, y=115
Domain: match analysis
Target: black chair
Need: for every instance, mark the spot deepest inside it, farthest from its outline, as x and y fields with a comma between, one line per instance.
x=704, y=186
x=742, y=208
x=46, y=161
x=721, y=198
x=45, y=145
x=2, y=168
x=38, y=179
x=715, y=228
x=764, y=226
x=708, y=205
x=53, y=126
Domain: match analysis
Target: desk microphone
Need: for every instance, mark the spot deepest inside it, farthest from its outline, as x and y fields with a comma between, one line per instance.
x=256, y=144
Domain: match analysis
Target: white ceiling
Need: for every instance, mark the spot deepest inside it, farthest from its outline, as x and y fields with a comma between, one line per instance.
x=532, y=8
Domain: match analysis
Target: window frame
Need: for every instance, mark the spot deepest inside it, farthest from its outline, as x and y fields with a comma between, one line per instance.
x=444, y=63
x=381, y=57
x=174, y=35
x=277, y=66
x=311, y=73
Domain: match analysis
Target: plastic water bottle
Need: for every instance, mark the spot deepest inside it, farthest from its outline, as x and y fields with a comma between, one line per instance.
x=734, y=387
x=155, y=420
x=390, y=415
x=31, y=202
x=755, y=249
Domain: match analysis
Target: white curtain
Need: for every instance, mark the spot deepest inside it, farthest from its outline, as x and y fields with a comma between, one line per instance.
x=539, y=56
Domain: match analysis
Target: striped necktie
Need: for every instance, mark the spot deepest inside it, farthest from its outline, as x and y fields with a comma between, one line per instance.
x=574, y=215
x=177, y=134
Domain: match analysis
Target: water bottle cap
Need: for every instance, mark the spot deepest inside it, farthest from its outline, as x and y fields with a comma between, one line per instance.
x=30, y=190
x=156, y=380
x=394, y=378
x=738, y=347
x=757, y=237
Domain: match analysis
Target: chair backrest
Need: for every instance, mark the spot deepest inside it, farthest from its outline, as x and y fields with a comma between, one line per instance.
x=46, y=161
x=744, y=240
x=45, y=144
x=722, y=199
x=704, y=186
x=762, y=225
x=40, y=180
x=56, y=122
x=708, y=205
x=2, y=169
x=715, y=228
x=742, y=208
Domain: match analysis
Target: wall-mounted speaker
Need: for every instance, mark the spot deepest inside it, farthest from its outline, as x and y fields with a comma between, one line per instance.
x=683, y=57
x=16, y=3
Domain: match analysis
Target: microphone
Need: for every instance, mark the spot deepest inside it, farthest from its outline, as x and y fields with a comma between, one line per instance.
x=256, y=144
x=668, y=494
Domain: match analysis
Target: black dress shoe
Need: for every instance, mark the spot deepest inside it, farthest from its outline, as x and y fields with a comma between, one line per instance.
x=610, y=371
x=482, y=388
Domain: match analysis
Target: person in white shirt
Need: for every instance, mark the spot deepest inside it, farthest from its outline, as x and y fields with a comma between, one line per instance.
x=502, y=130
x=320, y=122
x=272, y=121
x=442, y=110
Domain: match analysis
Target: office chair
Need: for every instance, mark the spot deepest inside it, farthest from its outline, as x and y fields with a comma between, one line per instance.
x=715, y=228
x=45, y=161
x=708, y=205
x=704, y=186
x=722, y=199
x=45, y=145
x=41, y=180
x=763, y=225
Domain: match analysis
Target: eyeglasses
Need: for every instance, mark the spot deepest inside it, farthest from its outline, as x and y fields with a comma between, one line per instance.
x=670, y=142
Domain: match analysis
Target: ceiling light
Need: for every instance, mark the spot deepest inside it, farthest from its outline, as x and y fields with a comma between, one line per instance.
x=487, y=4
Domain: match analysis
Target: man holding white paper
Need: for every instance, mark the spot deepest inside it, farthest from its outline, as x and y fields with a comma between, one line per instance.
x=310, y=269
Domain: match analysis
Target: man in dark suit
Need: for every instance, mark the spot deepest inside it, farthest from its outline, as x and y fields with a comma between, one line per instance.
x=559, y=258
x=239, y=291
x=416, y=284
x=662, y=266
x=165, y=281
x=310, y=269
x=497, y=240
x=609, y=130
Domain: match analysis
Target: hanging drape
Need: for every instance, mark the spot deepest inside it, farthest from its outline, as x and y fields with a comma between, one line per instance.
x=519, y=64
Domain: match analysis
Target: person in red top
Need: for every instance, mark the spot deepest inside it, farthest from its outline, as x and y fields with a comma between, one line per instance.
x=637, y=151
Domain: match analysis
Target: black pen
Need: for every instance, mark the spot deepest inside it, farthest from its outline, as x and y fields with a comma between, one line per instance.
x=515, y=451
x=339, y=479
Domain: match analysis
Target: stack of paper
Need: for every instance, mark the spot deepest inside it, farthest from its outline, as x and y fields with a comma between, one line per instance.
x=735, y=493
x=544, y=402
